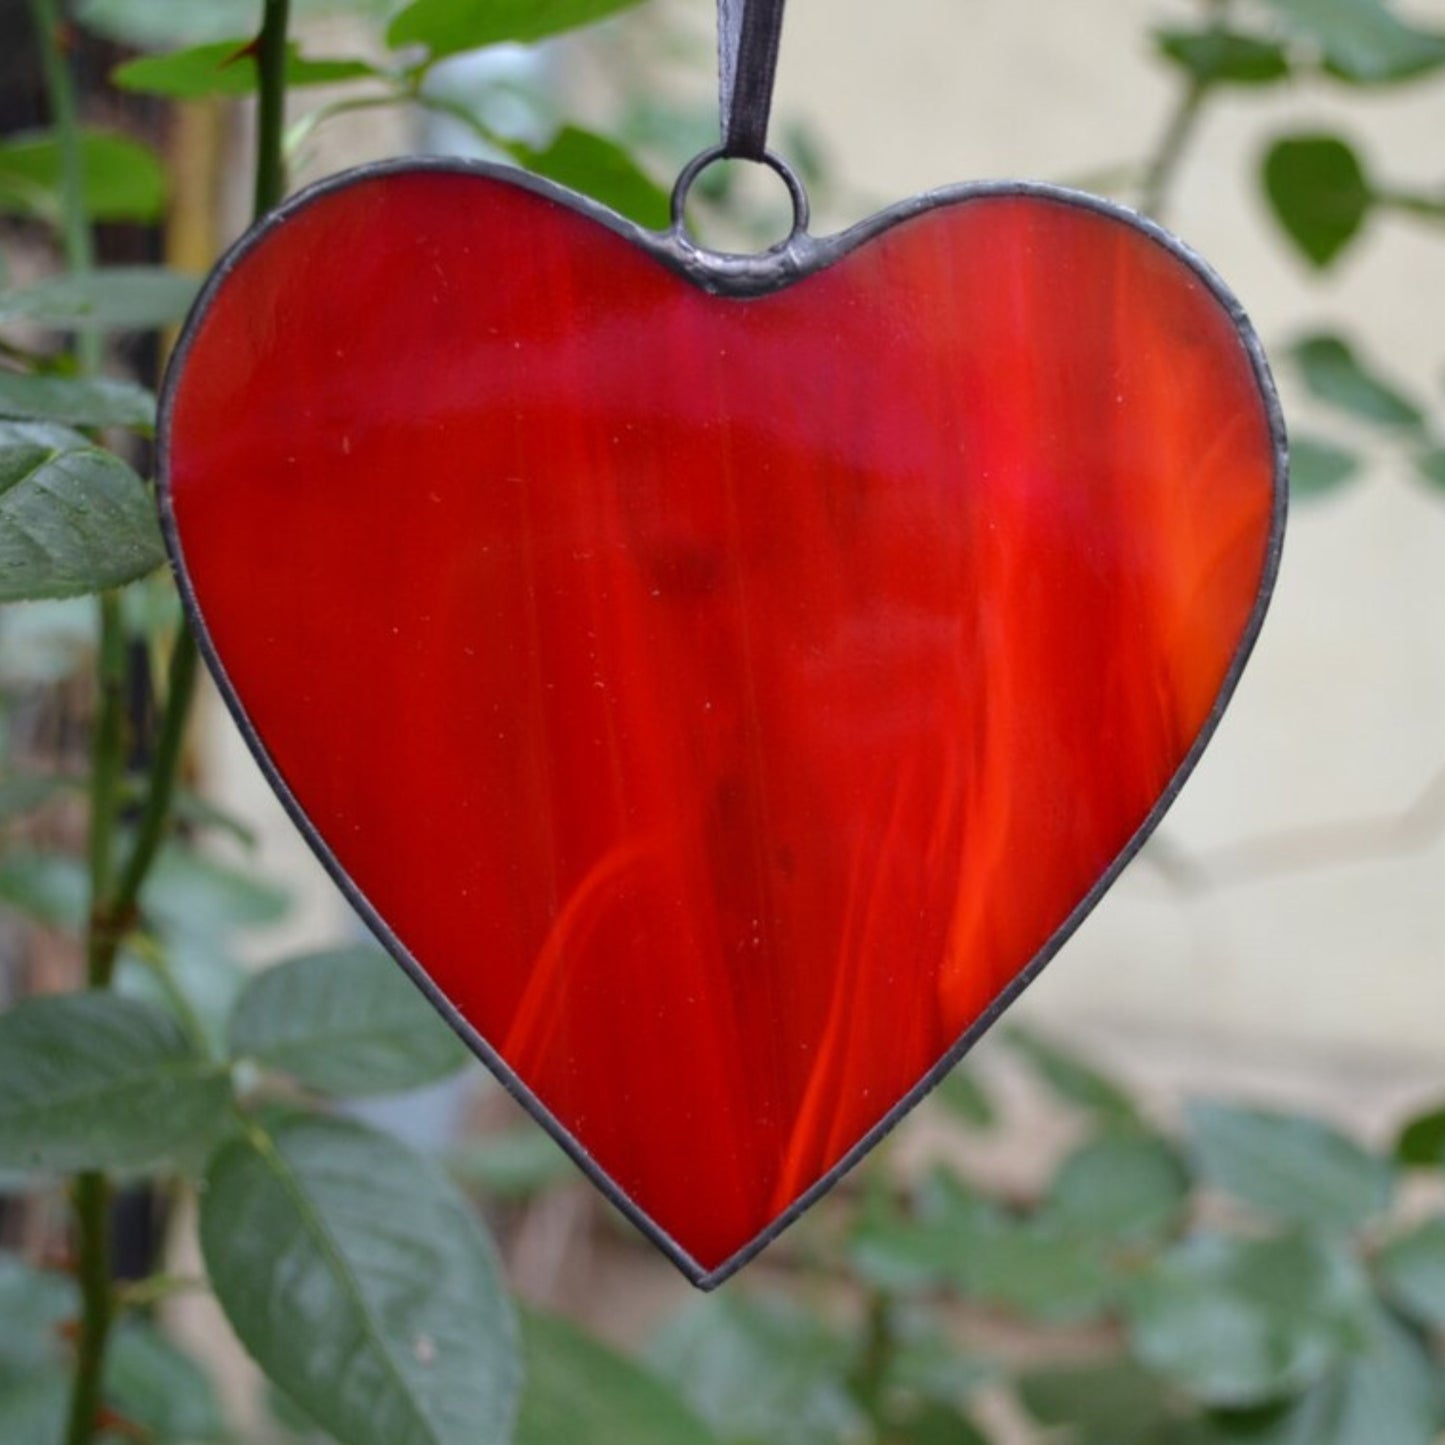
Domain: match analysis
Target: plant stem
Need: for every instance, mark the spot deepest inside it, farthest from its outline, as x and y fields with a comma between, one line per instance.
x=409, y=94
x=64, y=117
x=112, y=911
x=271, y=106
x=106, y=751
x=154, y=957
x=870, y=1372
x=155, y=816
x=142, y=1294
x=1160, y=171
x=1412, y=203
x=92, y=1208
x=180, y=691
x=107, y=766
x=92, y=1189
x=1164, y=166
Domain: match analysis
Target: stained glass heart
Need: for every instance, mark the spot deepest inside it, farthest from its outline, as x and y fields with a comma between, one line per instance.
x=722, y=695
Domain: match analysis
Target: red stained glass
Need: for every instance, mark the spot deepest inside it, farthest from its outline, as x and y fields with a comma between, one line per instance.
x=722, y=700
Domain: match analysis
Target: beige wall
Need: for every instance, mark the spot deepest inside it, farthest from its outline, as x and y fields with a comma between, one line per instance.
x=1342, y=715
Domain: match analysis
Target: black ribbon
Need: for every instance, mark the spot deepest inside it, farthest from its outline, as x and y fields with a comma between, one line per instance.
x=749, y=33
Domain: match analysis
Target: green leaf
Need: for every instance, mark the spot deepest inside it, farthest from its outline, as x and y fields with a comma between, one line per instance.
x=515, y=1165
x=358, y=1278
x=122, y=179
x=94, y=1081
x=447, y=27
x=582, y=1393
x=1389, y=1391
x=1125, y=1187
x=1412, y=1269
x=965, y=1097
x=197, y=812
x=1111, y=1404
x=27, y=792
x=1422, y=1141
x=1033, y=1269
x=1384, y=1391
x=1361, y=40
x=33, y=1407
x=76, y=401
x=931, y=1248
x=147, y=1380
x=959, y=1240
x=903, y=1255
x=73, y=517
x=50, y=888
x=115, y=298
x=192, y=894
x=207, y=979
x=1073, y=1080
x=227, y=67
x=1243, y=1322
x=1216, y=56
x=936, y=1424
x=927, y=1363
x=346, y=1022
x=47, y=642
x=170, y=24
x=1333, y=373
x=600, y=168
x=760, y=1371
x=155, y=1385
x=34, y=1308
x=294, y=1425
x=1319, y=193
x=151, y=612
x=677, y=131
x=1317, y=468
x=1431, y=466
x=1291, y=1167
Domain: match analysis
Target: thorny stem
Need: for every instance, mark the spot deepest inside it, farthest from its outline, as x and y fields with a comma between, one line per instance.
x=74, y=220
x=92, y=1207
x=107, y=760
x=181, y=686
x=91, y=1195
x=112, y=909
x=271, y=106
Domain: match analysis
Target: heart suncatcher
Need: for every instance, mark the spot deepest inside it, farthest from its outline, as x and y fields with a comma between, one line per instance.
x=723, y=682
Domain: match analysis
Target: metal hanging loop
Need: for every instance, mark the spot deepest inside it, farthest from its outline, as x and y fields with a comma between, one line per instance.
x=797, y=193
x=749, y=33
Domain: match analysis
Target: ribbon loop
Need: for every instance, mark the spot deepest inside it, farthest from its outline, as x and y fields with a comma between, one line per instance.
x=749, y=33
